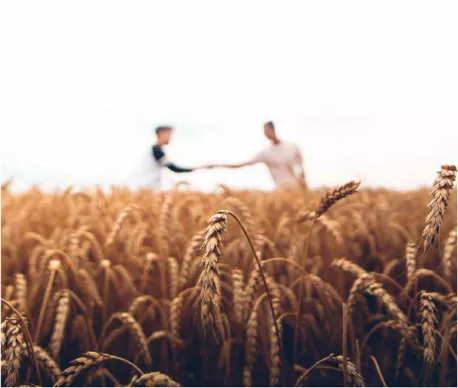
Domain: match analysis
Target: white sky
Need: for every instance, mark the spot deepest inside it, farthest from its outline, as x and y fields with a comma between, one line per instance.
x=368, y=89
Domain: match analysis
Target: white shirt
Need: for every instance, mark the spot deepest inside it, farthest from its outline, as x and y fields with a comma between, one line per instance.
x=147, y=172
x=282, y=160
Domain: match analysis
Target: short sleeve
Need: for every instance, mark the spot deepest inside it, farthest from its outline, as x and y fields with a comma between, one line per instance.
x=159, y=155
x=260, y=157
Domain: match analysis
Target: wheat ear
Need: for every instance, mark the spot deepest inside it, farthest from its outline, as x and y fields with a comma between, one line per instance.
x=153, y=379
x=118, y=223
x=449, y=248
x=251, y=341
x=135, y=330
x=442, y=189
x=20, y=285
x=176, y=310
x=26, y=335
x=164, y=223
x=428, y=327
x=354, y=378
x=191, y=250
x=13, y=349
x=46, y=363
x=411, y=251
x=209, y=279
x=238, y=294
x=348, y=266
x=172, y=267
x=334, y=195
x=86, y=362
x=62, y=313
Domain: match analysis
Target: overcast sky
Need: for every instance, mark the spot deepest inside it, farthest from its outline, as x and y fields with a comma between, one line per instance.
x=368, y=90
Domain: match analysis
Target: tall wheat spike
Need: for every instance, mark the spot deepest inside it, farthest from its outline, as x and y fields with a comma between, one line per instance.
x=13, y=347
x=442, y=189
x=209, y=280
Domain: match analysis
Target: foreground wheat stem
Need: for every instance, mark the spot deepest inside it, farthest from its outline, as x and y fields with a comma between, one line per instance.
x=301, y=294
x=344, y=343
x=209, y=280
x=258, y=262
x=379, y=372
x=28, y=339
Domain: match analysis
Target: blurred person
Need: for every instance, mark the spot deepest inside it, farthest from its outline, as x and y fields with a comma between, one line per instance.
x=283, y=159
x=149, y=171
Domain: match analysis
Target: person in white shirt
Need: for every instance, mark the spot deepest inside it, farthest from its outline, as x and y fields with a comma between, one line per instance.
x=283, y=159
x=148, y=173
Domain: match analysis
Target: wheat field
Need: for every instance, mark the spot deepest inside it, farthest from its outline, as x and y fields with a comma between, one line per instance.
x=347, y=287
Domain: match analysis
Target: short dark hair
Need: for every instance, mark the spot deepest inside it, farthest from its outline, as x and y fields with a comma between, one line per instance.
x=270, y=124
x=163, y=128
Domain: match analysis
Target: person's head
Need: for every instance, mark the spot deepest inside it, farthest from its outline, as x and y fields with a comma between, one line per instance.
x=163, y=134
x=269, y=130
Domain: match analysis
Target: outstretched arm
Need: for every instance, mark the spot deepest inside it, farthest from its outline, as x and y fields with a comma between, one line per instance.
x=259, y=158
x=160, y=157
x=173, y=167
x=234, y=165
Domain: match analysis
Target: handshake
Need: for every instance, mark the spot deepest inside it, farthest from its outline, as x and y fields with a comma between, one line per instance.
x=206, y=167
